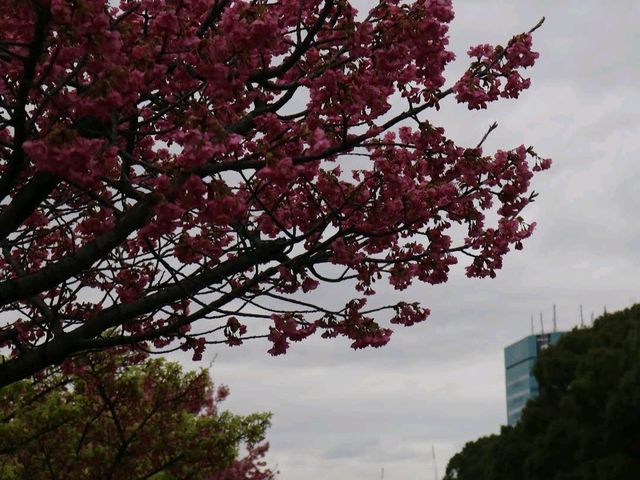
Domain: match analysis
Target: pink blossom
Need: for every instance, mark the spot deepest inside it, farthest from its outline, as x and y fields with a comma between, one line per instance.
x=177, y=170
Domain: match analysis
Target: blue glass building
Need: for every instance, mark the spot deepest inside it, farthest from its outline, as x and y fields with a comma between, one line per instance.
x=519, y=359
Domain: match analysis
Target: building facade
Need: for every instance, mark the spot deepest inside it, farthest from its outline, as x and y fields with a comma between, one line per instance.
x=519, y=359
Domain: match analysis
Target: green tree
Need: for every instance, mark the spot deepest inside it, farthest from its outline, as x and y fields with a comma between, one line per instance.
x=470, y=462
x=117, y=416
x=584, y=425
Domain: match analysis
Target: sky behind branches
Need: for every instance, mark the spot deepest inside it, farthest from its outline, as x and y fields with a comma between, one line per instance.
x=345, y=414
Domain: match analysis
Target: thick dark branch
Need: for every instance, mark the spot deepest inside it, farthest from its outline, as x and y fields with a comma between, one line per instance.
x=302, y=261
x=245, y=125
x=212, y=17
x=36, y=301
x=67, y=344
x=25, y=202
x=299, y=51
x=77, y=262
x=10, y=176
x=173, y=327
x=53, y=91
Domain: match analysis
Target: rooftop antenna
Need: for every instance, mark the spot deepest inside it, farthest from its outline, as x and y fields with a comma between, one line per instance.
x=581, y=318
x=435, y=465
x=555, y=329
x=541, y=325
x=532, y=332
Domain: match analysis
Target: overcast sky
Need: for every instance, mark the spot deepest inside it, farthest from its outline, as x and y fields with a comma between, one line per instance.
x=344, y=414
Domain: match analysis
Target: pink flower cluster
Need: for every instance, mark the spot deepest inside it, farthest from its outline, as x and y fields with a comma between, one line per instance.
x=482, y=83
x=78, y=159
x=216, y=162
x=287, y=327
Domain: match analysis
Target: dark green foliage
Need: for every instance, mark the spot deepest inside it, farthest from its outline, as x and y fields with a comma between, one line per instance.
x=585, y=424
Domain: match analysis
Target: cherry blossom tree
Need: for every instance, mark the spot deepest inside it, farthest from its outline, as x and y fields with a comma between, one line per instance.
x=177, y=173
x=117, y=416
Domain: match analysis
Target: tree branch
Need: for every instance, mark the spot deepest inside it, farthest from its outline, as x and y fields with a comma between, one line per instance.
x=64, y=345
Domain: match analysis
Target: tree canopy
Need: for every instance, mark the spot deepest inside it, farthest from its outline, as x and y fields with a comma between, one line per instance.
x=584, y=425
x=177, y=173
x=114, y=417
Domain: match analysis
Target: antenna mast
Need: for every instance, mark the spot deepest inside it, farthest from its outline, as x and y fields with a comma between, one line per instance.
x=555, y=329
x=532, y=332
x=541, y=324
x=435, y=465
x=581, y=318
